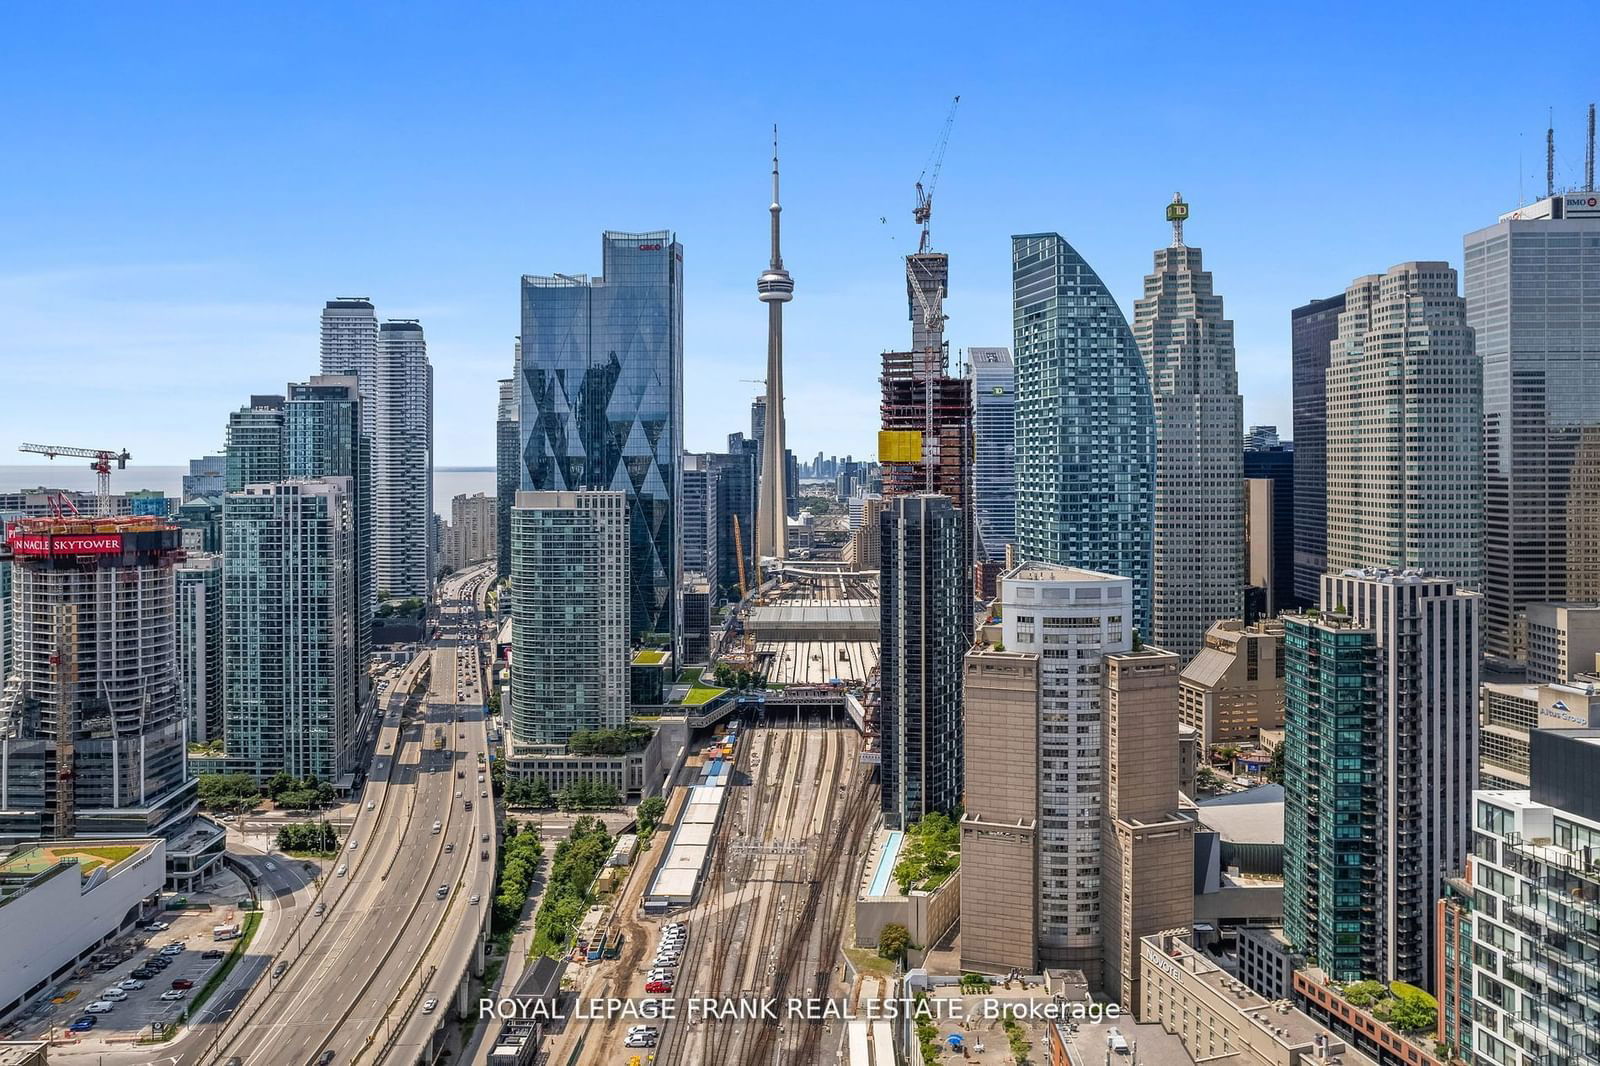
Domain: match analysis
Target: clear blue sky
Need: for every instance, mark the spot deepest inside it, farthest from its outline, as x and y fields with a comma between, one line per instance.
x=181, y=186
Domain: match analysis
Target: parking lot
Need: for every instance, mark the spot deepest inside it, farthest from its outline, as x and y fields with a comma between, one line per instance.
x=136, y=1004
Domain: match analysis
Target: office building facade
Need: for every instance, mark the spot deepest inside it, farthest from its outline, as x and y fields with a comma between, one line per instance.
x=199, y=644
x=1404, y=409
x=1533, y=299
x=569, y=616
x=1563, y=641
x=254, y=444
x=1071, y=618
x=290, y=621
x=471, y=535
x=1313, y=328
x=507, y=467
x=1000, y=811
x=1187, y=344
x=1233, y=687
x=1147, y=854
x=207, y=476
x=402, y=467
x=1269, y=524
x=700, y=529
x=1085, y=422
x=601, y=402
x=994, y=452
x=924, y=617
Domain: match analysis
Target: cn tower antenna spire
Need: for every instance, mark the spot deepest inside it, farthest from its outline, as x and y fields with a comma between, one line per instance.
x=774, y=288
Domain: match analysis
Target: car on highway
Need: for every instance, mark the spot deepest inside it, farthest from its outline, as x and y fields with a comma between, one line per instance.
x=484, y=854
x=450, y=847
x=84, y=1024
x=320, y=909
x=278, y=970
x=473, y=901
x=174, y=993
x=352, y=845
x=429, y=1004
x=182, y=983
x=484, y=794
x=325, y=1058
x=371, y=805
x=444, y=890
x=341, y=870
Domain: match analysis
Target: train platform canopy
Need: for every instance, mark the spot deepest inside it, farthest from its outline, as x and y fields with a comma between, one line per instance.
x=836, y=621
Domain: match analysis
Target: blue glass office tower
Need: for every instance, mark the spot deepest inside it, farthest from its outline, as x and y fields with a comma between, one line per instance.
x=1085, y=421
x=600, y=403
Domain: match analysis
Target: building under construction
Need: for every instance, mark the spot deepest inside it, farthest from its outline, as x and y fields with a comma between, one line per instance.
x=91, y=732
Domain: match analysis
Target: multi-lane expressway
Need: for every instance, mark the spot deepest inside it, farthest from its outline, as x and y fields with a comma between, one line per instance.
x=404, y=909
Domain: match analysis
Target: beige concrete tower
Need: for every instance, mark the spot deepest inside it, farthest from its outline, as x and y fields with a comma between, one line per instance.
x=774, y=288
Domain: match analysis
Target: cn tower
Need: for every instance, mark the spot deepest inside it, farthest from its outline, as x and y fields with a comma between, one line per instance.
x=774, y=288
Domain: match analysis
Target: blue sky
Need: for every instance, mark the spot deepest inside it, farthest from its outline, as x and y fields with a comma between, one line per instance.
x=181, y=186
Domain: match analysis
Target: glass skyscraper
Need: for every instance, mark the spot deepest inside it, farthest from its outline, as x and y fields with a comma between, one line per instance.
x=994, y=478
x=1312, y=330
x=507, y=467
x=1085, y=421
x=600, y=403
x=1532, y=285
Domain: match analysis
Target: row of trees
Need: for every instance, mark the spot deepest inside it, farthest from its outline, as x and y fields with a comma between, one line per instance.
x=520, y=854
x=584, y=795
x=568, y=893
x=727, y=677
x=608, y=741
x=239, y=792
x=299, y=794
x=313, y=838
x=930, y=853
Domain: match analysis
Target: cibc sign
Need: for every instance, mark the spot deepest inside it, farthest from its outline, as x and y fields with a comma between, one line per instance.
x=47, y=544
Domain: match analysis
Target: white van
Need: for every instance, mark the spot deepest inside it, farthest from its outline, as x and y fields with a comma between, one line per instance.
x=99, y=1006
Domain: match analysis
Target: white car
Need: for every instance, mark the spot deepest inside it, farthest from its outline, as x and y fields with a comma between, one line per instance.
x=429, y=1004
x=371, y=805
x=473, y=901
x=174, y=994
x=131, y=984
x=114, y=994
x=99, y=1006
x=352, y=845
x=640, y=1040
x=156, y=927
x=341, y=870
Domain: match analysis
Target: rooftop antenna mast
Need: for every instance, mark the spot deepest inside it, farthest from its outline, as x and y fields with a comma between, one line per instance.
x=1588, y=158
x=1550, y=155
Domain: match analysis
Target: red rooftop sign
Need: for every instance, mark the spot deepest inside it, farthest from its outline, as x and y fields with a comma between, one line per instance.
x=45, y=544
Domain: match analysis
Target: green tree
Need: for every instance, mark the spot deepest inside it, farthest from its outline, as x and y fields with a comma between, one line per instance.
x=280, y=783
x=228, y=792
x=651, y=808
x=1275, y=765
x=894, y=941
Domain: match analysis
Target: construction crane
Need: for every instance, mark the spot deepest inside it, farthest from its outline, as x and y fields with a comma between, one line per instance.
x=738, y=551
x=924, y=209
x=103, y=458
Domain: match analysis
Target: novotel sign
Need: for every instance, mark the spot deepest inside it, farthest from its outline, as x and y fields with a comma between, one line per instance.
x=46, y=544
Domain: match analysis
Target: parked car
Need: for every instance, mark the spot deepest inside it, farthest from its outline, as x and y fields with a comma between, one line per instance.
x=172, y=949
x=658, y=986
x=175, y=993
x=142, y=974
x=212, y=953
x=157, y=927
x=100, y=1006
x=132, y=984
x=182, y=983
x=84, y=1024
x=113, y=994
x=640, y=1040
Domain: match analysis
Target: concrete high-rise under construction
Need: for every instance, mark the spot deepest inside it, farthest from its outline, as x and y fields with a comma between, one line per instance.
x=774, y=288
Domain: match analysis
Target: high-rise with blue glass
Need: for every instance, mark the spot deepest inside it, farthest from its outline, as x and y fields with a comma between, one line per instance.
x=600, y=403
x=1085, y=421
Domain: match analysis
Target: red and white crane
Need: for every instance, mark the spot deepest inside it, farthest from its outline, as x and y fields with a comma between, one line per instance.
x=101, y=465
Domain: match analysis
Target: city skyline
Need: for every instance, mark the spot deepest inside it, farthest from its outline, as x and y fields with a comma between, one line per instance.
x=158, y=279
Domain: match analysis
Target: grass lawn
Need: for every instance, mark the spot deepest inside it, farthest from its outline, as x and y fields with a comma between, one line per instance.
x=649, y=657
x=699, y=696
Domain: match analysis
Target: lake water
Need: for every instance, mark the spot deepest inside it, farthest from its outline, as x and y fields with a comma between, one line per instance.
x=168, y=480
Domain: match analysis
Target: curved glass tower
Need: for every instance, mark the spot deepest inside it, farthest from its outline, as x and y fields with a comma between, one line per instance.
x=1085, y=422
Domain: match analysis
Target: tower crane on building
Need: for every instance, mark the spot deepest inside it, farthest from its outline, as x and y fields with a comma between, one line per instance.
x=102, y=458
x=924, y=209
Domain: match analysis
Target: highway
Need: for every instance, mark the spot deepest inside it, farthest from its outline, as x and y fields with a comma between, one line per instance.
x=352, y=981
